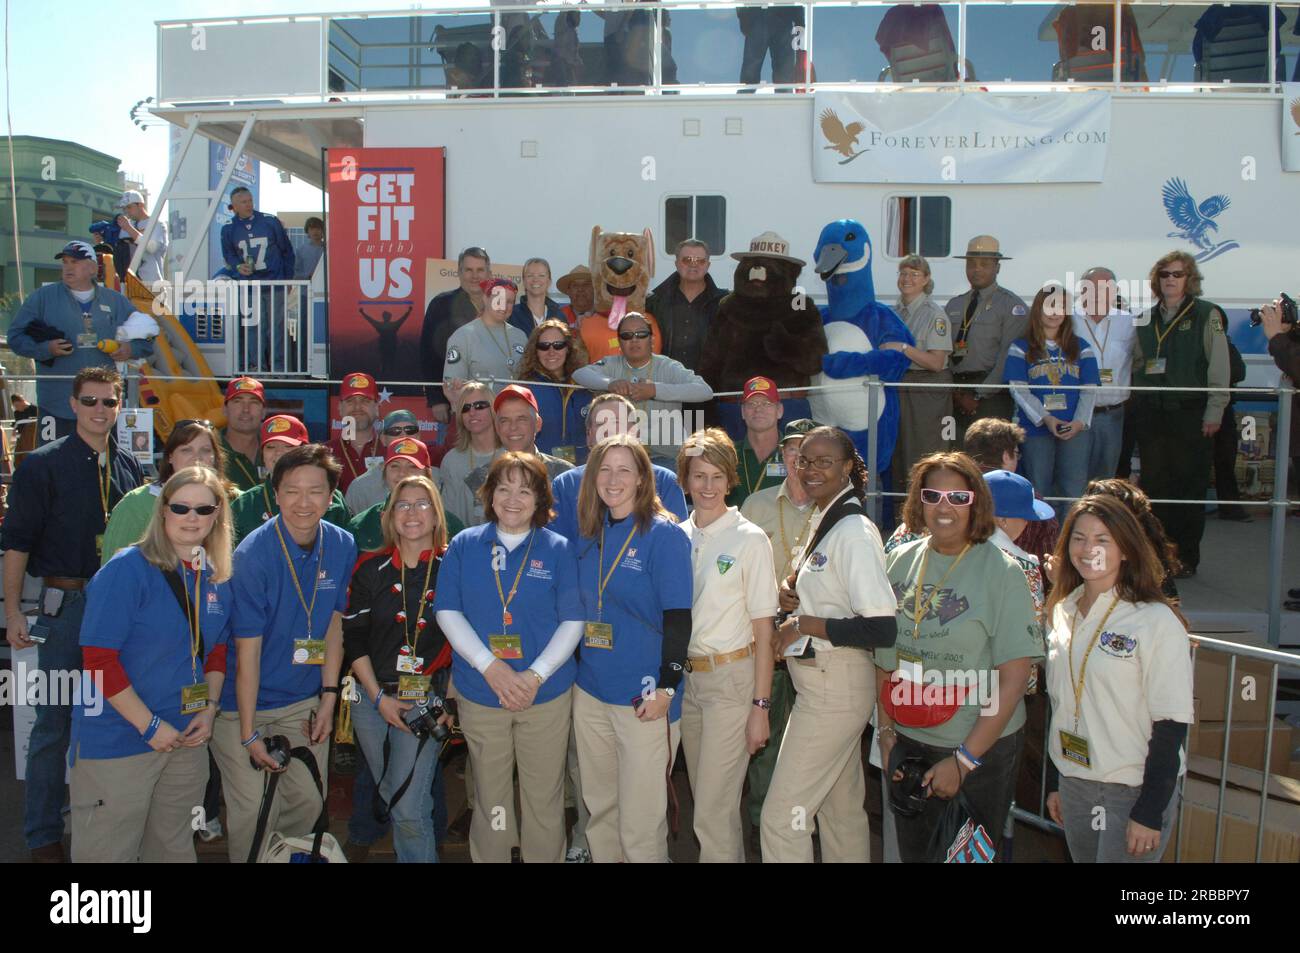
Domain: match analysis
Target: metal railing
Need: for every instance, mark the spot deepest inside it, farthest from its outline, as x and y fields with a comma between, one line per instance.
x=266, y=325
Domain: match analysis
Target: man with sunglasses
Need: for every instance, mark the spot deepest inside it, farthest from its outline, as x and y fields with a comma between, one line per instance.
x=369, y=488
x=53, y=529
x=73, y=324
x=1181, y=341
x=358, y=447
x=656, y=384
x=245, y=408
x=685, y=303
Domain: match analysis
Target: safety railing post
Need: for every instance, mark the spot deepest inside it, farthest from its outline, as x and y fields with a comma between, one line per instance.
x=1277, y=524
x=874, y=397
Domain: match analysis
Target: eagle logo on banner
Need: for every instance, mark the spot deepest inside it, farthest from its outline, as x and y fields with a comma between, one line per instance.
x=841, y=138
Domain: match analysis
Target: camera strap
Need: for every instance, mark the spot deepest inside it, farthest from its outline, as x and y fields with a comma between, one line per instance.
x=304, y=755
x=382, y=810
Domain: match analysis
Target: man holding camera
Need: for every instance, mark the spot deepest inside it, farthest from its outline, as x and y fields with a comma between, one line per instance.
x=290, y=590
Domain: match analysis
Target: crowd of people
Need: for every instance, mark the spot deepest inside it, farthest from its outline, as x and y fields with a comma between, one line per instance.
x=541, y=587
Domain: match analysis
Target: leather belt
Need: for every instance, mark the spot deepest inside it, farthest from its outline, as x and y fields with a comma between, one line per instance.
x=1109, y=408
x=965, y=377
x=66, y=583
x=707, y=663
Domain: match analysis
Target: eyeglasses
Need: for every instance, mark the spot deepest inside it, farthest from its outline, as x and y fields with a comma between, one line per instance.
x=109, y=402
x=180, y=509
x=475, y=405
x=1171, y=274
x=634, y=335
x=402, y=430
x=695, y=260
x=422, y=506
x=552, y=345
x=954, y=497
x=817, y=463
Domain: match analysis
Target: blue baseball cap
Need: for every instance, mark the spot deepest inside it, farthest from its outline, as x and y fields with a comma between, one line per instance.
x=82, y=251
x=1013, y=497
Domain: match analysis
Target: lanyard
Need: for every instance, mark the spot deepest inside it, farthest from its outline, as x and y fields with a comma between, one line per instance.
x=505, y=336
x=1055, y=365
x=969, y=318
x=267, y=497
x=237, y=457
x=1160, y=338
x=603, y=577
x=506, y=617
x=1101, y=348
x=105, y=483
x=920, y=586
x=1083, y=668
x=192, y=617
x=785, y=544
x=293, y=573
x=566, y=395
x=424, y=596
x=348, y=452
x=752, y=487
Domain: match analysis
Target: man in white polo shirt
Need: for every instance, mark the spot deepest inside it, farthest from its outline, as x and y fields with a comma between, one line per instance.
x=1110, y=331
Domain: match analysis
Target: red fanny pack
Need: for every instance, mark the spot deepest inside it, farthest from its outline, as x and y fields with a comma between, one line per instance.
x=918, y=704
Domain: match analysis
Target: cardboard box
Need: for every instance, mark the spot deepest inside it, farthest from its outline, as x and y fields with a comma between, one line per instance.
x=1247, y=745
x=1210, y=684
x=1240, y=816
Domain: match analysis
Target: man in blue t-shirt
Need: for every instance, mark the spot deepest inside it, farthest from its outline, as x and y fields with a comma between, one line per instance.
x=289, y=591
x=255, y=246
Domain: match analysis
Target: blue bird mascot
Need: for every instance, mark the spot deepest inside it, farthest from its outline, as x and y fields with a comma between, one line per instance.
x=858, y=330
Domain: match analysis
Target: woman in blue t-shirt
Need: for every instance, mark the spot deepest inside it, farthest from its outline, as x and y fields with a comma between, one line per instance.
x=154, y=644
x=634, y=564
x=508, y=602
x=551, y=356
x=1041, y=368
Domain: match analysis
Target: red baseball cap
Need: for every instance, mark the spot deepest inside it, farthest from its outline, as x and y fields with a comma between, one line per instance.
x=356, y=383
x=283, y=428
x=515, y=392
x=487, y=286
x=408, y=448
x=760, y=386
x=245, y=385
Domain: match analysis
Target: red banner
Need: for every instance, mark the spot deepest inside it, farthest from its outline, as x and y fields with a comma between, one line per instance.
x=387, y=217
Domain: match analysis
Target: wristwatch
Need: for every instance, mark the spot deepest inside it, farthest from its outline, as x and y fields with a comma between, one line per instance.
x=670, y=692
x=763, y=703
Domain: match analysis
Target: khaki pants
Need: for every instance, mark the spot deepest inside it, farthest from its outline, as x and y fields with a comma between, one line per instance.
x=573, y=790
x=297, y=803
x=715, y=711
x=623, y=762
x=534, y=741
x=139, y=808
x=819, y=768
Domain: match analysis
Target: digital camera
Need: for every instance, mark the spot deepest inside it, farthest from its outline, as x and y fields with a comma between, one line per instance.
x=1287, y=308
x=422, y=719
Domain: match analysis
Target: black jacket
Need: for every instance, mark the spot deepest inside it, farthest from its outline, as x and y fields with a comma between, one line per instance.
x=684, y=324
x=1284, y=348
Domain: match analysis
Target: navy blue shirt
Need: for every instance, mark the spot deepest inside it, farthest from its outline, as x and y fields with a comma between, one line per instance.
x=547, y=596
x=55, y=508
x=522, y=318
x=564, y=418
x=131, y=608
x=565, y=487
x=653, y=576
x=266, y=605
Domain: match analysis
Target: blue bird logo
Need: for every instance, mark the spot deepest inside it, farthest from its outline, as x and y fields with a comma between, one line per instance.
x=1195, y=221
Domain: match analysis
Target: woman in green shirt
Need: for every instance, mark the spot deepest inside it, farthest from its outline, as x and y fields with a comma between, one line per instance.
x=952, y=687
x=191, y=443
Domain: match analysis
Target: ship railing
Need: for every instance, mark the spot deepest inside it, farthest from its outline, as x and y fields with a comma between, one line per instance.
x=265, y=326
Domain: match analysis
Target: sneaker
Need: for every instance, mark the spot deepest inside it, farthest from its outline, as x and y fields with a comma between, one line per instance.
x=213, y=831
x=577, y=855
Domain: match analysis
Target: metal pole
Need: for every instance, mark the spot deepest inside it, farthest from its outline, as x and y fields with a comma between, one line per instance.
x=199, y=235
x=190, y=129
x=1277, y=528
x=873, y=478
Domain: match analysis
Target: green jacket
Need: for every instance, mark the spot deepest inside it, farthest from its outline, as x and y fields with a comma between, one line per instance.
x=1195, y=351
x=129, y=519
x=369, y=531
x=240, y=470
x=254, y=507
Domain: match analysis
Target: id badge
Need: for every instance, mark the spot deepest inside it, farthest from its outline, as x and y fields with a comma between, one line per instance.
x=776, y=470
x=89, y=339
x=599, y=635
x=507, y=646
x=1107, y=375
x=308, y=651
x=194, y=698
x=1075, y=748
x=1156, y=365
x=411, y=687
x=409, y=664
x=911, y=666
x=1054, y=402
x=959, y=349
x=567, y=454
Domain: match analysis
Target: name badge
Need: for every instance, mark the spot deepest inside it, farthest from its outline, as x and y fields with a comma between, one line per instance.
x=506, y=646
x=373, y=462
x=87, y=340
x=1107, y=375
x=99, y=545
x=776, y=470
x=911, y=666
x=1075, y=748
x=1054, y=402
x=1156, y=365
x=410, y=664
x=308, y=651
x=959, y=349
x=567, y=454
x=410, y=687
x=194, y=698
x=599, y=635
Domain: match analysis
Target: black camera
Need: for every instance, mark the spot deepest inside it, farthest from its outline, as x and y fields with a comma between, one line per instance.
x=422, y=719
x=278, y=748
x=908, y=796
x=1287, y=308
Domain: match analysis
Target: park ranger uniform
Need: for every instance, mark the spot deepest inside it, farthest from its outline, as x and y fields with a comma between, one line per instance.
x=981, y=336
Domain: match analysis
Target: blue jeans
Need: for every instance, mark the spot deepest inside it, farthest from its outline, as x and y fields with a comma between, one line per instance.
x=1107, y=437
x=47, y=751
x=412, y=816
x=1058, y=467
x=363, y=828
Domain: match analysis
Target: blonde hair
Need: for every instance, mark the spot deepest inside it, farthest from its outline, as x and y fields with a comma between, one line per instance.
x=422, y=482
x=918, y=263
x=646, y=504
x=714, y=447
x=462, y=433
x=158, y=549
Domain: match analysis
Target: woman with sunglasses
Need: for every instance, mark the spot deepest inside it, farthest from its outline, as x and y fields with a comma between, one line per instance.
x=155, y=638
x=951, y=701
x=553, y=353
x=838, y=607
x=401, y=657
x=1050, y=357
x=1119, y=674
x=476, y=444
x=191, y=443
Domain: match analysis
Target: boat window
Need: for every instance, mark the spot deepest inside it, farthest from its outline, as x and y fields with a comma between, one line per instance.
x=1011, y=42
x=1208, y=43
x=416, y=52
x=896, y=43
x=695, y=216
x=749, y=45
x=918, y=225
x=1289, y=34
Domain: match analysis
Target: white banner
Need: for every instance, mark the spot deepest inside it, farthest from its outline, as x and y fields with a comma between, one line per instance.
x=982, y=138
x=1291, y=127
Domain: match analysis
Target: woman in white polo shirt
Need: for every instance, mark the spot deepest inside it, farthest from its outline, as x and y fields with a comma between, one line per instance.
x=729, y=660
x=839, y=608
x=1119, y=674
